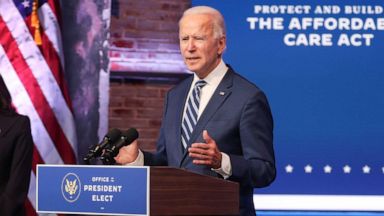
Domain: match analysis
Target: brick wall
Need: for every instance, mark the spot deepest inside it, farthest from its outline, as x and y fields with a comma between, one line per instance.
x=144, y=38
x=144, y=35
x=138, y=105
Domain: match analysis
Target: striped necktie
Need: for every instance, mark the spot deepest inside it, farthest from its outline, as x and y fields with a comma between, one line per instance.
x=191, y=113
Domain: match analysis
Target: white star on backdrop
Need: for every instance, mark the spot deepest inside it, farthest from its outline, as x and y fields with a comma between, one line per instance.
x=347, y=169
x=366, y=169
x=25, y=3
x=327, y=169
x=308, y=168
x=289, y=168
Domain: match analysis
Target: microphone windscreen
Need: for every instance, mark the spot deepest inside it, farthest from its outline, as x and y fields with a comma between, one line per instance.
x=131, y=134
x=96, y=150
x=113, y=134
x=126, y=138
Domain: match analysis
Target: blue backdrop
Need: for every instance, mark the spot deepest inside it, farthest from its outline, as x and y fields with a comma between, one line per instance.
x=326, y=95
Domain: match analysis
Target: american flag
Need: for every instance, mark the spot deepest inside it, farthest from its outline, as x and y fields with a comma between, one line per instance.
x=31, y=64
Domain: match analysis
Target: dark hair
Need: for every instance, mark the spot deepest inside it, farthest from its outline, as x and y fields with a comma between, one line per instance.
x=5, y=99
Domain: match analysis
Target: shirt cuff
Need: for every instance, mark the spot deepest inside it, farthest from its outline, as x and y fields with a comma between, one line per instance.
x=139, y=160
x=226, y=169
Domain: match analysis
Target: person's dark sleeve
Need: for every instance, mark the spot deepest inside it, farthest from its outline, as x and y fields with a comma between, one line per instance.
x=15, y=194
x=256, y=167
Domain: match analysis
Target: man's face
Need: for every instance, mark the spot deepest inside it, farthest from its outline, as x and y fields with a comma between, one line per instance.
x=200, y=49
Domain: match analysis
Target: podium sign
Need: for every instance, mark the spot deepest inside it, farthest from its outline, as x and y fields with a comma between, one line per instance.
x=107, y=190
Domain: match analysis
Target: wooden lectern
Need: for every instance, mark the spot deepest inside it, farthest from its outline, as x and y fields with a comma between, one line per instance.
x=176, y=191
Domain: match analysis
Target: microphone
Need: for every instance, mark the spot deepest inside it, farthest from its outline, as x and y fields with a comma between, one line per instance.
x=96, y=150
x=127, y=137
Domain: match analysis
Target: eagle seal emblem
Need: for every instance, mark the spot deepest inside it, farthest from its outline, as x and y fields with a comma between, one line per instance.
x=71, y=187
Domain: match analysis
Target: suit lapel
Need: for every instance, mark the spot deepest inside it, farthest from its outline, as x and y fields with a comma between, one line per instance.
x=179, y=111
x=221, y=93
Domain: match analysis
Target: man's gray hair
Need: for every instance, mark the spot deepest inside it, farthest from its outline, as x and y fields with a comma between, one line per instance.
x=217, y=18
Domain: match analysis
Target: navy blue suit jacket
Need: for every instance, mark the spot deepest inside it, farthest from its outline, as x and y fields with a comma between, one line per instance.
x=239, y=119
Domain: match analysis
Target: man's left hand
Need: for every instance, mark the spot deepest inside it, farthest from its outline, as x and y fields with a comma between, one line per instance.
x=206, y=153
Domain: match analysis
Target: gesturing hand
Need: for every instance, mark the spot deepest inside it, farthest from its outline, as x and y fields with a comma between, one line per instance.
x=206, y=153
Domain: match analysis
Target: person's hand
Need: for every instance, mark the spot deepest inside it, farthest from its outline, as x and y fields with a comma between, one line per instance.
x=127, y=154
x=206, y=153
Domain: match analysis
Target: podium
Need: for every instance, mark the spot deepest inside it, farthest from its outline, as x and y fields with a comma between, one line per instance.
x=179, y=192
x=119, y=190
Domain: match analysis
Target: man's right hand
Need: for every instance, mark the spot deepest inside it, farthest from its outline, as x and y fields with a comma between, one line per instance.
x=127, y=154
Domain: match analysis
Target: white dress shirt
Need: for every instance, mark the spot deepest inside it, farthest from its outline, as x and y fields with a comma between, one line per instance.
x=213, y=80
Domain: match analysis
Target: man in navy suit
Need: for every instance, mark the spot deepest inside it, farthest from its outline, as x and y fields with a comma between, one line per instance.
x=233, y=135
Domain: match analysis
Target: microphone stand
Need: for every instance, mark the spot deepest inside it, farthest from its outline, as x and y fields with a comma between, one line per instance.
x=107, y=158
